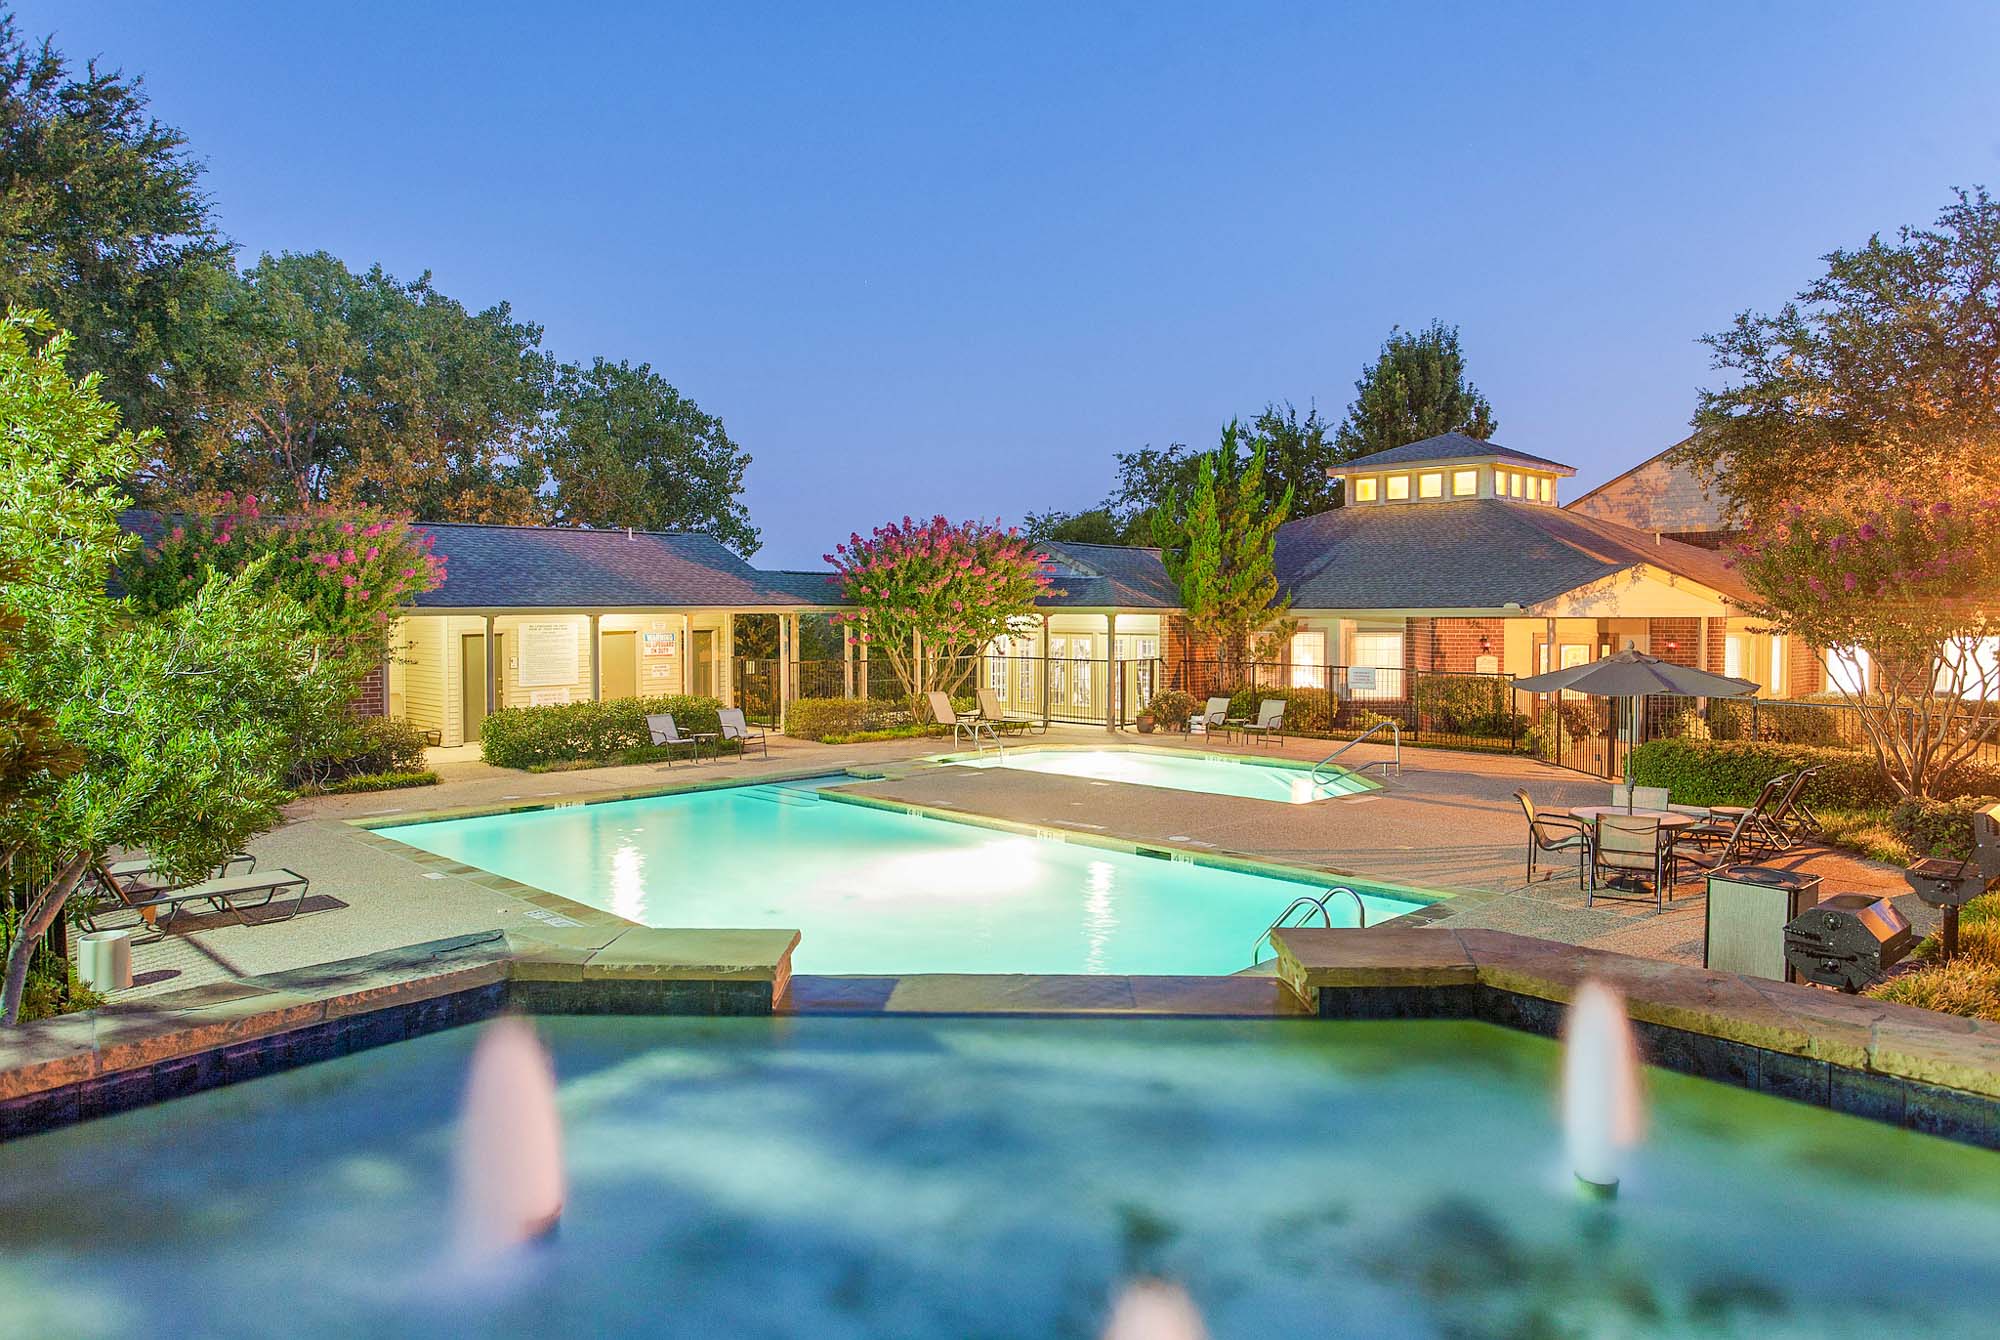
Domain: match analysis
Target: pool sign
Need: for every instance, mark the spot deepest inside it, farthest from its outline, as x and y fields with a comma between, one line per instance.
x=549, y=654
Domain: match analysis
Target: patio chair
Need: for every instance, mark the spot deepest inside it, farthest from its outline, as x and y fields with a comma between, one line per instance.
x=138, y=874
x=1212, y=718
x=1722, y=819
x=157, y=906
x=1735, y=847
x=1270, y=722
x=734, y=727
x=971, y=727
x=1641, y=797
x=661, y=726
x=1630, y=847
x=1554, y=833
x=1790, y=816
x=990, y=710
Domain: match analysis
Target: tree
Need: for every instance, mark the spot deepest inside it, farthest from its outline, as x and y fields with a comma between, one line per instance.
x=930, y=594
x=1217, y=542
x=1883, y=372
x=360, y=390
x=1895, y=594
x=104, y=226
x=626, y=449
x=1297, y=453
x=180, y=722
x=1415, y=389
x=1096, y=525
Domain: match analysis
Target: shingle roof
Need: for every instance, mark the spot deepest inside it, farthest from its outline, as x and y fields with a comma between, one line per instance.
x=1478, y=554
x=1109, y=576
x=504, y=567
x=1453, y=447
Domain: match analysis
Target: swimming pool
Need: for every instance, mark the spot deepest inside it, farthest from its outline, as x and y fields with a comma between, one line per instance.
x=880, y=891
x=1252, y=779
x=867, y=1177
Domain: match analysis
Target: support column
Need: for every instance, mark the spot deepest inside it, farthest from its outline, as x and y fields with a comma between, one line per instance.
x=492, y=666
x=846, y=663
x=785, y=645
x=687, y=652
x=596, y=661
x=1045, y=672
x=1114, y=683
x=864, y=666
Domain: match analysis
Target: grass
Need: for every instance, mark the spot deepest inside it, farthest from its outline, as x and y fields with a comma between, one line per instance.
x=626, y=758
x=1866, y=832
x=910, y=732
x=372, y=781
x=1969, y=985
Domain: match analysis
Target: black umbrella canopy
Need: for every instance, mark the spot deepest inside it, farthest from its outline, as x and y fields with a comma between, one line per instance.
x=1633, y=674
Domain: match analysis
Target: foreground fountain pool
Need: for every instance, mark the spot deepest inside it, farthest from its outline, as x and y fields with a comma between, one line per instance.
x=890, y=1176
x=880, y=891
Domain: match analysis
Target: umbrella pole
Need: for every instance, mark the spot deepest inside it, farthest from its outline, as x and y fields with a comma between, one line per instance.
x=1631, y=738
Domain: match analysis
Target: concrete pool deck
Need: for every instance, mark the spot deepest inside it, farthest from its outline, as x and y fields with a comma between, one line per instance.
x=1449, y=823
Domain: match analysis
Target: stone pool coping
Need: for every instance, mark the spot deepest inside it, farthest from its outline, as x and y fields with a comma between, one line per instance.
x=1910, y=1067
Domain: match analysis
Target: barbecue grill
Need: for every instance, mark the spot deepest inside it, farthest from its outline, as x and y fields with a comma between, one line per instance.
x=1848, y=941
x=1950, y=885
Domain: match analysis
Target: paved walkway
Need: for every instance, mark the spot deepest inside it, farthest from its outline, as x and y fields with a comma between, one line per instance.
x=1448, y=823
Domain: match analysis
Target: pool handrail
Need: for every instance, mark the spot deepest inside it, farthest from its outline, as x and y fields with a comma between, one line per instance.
x=1311, y=904
x=1396, y=761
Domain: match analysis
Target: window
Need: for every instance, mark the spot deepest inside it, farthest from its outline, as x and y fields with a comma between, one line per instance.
x=1779, y=648
x=1573, y=654
x=996, y=667
x=1364, y=490
x=1377, y=669
x=1732, y=657
x=1309, y=660
x=1513, y=484
x=1464, y=483
x=1548, y=489
x=1430, y=484
x=1399, y=488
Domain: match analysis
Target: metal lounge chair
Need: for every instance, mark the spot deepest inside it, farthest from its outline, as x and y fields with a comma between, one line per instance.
x=734, y=727
x=227, y=893
x=1630, y=846
x=991, y=711
x=1270, y=722
x=137, y=875
x=1554, y=833
x=970, y=726
x=1790, y=817
x=1734, y=849
x=1212, y=718
x=661, y=726
x=1722, y=820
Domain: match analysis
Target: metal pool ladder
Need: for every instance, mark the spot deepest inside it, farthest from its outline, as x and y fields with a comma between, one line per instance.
x=1305, y=905
x=1395, y=761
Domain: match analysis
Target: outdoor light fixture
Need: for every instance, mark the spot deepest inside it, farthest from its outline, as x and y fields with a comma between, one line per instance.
x=1485, y=644
x=1673, y=645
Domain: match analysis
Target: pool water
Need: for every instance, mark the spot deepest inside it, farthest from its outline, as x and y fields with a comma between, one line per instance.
x=870, y=1177
x=878, y=891
x=1247, y=778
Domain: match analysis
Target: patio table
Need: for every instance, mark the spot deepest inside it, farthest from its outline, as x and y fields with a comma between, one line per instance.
x=1670, y=820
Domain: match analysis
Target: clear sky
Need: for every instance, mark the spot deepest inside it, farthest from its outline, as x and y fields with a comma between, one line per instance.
x=925, y=259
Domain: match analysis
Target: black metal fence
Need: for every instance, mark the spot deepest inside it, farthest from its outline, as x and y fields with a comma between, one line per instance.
x=1827, y=723
x=1437, y=708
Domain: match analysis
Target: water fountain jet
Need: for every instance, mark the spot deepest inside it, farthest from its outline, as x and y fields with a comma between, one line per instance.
x=1154, y=1309
x=509, y=1165
x=1600, y=1100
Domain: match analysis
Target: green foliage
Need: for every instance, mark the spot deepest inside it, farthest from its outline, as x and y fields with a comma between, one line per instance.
x=1307, y=711
x=1096, y=525
x=103, y=225
x=522, y=737
x=1786, y=723
x=626, y=449
x=1880, y=372
x=1466, y=705
x=820, y=718
x=1297, y=455
x=1416, y=388
x=1171, y=709
x=1217, y=544
x=376, y=781
x=1968, y=985
x=1732, y=772
x=1688, y=724
x=1938, y=827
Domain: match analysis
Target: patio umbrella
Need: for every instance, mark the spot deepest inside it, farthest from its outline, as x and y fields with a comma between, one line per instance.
x=1635, y=675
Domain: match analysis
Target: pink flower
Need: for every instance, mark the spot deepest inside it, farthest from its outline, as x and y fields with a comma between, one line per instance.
x=347, y=579
x=373, y=552
x=180, y=533
x=1849, y=582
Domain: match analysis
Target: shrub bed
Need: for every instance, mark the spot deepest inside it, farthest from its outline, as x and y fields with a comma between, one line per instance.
x=1938, y=827
x=1731, y=772
x=524, y=737
x=372, y=781
x=824, y=719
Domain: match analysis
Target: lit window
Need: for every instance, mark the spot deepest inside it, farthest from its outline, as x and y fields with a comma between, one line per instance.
x=1464, y=483
x=1399, y=488
x=1514, y=484
x=1779, y=667
x=1309, y=659
x=1732, y=657
x=1548, y=489
x=1364, y=490
x=1430, y=484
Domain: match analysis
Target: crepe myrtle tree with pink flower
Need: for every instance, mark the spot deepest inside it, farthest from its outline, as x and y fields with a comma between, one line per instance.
x=1899, y=596
x=929, y=594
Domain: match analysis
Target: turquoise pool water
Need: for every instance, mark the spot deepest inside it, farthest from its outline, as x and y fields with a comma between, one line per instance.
x=875, y=891
x=892, y=1177
x=1210, y=776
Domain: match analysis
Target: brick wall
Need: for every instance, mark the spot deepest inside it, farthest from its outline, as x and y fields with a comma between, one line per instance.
x=1718, y=633
x=1451, y=645
x=1684, y=634
x=373, y=699
x=1804, y=675
x=1189, y=657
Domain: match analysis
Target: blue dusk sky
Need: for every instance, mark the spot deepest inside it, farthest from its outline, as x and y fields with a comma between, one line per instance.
x=936, y=258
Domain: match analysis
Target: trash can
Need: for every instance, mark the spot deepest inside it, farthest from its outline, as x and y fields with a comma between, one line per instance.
x=1749, y=907
x=104, y=960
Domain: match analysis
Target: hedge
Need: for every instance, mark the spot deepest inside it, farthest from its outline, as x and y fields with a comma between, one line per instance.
x=1732, y=772
x=1938, y=827
x=818, y=718
x=522, y=737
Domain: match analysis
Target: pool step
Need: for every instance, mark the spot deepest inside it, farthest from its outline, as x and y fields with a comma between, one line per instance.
x=780, y=795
